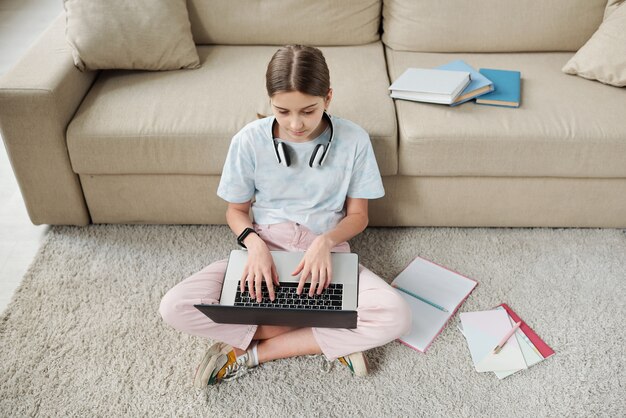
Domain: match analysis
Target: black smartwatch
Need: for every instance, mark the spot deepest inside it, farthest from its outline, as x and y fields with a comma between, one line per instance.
x=243, y=236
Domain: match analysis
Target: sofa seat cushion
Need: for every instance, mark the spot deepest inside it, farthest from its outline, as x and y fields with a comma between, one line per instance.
x=565, y=126
x=181, y=122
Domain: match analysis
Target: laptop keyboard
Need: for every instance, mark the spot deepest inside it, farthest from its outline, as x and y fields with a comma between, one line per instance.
x=287, y=298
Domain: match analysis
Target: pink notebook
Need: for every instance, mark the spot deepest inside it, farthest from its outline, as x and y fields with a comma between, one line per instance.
x=544, y=349
x=533, y=347
x=434, y=293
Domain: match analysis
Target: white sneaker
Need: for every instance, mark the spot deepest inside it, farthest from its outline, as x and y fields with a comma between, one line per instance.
x=357, y=363
x=220, y=363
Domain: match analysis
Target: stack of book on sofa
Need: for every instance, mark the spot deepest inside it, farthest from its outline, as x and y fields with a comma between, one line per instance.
x=458, y=82
x=430, y=85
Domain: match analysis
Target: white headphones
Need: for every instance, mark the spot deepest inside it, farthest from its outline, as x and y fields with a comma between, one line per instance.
x=319, y=154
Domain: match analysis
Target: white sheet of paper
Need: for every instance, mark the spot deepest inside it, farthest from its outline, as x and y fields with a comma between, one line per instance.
x=483, y=331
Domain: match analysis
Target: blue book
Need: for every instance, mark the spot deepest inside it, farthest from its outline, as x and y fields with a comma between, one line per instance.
x=478, y=86
x=507, y=88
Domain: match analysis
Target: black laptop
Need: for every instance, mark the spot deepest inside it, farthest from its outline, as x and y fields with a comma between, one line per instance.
x=334, y=308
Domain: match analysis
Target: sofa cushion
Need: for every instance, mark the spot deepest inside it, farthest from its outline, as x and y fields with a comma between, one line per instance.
x=490, y=25
x=408, y=201
x=319, y=22
x=181, y=122
x=122, y=34
x=566, y=126
x=611, y=6
x=603, y=57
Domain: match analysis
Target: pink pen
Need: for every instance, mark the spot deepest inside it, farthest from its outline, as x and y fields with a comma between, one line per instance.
x=504, y=339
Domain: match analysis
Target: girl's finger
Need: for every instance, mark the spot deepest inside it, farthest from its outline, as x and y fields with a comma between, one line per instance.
x=322, y=282
x=299, y=268
x=250, y=283
x=329, y=276
x=258, y=282
x=270, y=285
x=275, y=276
x=314, y=281
x=303, y=277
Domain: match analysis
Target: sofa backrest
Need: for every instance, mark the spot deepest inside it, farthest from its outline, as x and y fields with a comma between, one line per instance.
x=490, y=25
x=279, y=22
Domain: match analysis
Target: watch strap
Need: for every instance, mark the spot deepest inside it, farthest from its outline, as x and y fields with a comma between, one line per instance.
x=243, y=236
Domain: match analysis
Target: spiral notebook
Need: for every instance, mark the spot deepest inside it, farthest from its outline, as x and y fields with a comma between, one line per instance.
x=433, y=293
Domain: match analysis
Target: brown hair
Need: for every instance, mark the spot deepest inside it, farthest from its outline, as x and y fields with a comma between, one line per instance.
x=298, y=68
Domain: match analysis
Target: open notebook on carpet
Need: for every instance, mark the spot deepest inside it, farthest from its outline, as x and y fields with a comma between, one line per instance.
x=433, y=293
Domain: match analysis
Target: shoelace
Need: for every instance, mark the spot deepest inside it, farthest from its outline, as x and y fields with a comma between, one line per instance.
x=235, y=370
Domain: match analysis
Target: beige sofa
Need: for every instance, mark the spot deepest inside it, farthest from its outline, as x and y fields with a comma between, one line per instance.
x=148, y=147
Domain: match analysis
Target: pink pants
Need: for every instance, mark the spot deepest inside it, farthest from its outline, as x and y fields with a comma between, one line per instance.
x=382, y=314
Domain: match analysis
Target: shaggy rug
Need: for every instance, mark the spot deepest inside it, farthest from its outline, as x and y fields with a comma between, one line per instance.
x=83, y=336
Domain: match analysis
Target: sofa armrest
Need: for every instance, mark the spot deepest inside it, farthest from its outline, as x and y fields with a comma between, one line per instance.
x=38, y=98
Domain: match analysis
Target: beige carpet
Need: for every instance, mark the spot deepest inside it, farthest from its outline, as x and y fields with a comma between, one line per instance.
x=83, y=336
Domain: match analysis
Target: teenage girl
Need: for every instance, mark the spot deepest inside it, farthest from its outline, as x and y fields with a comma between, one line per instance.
x=305, y=196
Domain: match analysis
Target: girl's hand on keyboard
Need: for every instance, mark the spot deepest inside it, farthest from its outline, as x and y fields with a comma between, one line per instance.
x=317, y=264
x=259, y=268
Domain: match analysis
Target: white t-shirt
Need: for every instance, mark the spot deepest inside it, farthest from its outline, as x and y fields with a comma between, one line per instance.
x=313, y=197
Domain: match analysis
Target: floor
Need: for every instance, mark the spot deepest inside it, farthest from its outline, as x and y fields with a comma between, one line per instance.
x=21, y=22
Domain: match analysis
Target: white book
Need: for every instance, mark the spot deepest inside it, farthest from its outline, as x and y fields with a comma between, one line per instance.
x=433, y=293
x=430, y=85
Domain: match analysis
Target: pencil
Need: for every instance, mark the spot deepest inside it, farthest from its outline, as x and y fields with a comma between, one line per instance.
x=506, y=337
x=434, y=305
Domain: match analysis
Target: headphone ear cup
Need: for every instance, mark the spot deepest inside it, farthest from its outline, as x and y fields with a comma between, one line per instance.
x=316, y=156
x=283, y=155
